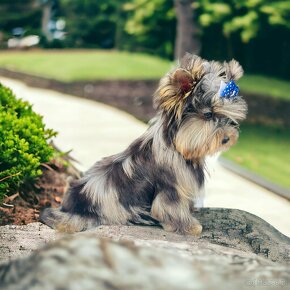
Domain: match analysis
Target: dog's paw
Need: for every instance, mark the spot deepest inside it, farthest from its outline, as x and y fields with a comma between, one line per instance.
x=169, y=228
x=195, y=230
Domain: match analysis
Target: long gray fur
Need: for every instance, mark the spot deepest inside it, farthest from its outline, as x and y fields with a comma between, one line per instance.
x=159, y=178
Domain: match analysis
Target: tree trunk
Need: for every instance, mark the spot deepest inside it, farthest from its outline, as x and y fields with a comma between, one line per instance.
x=118, y=41
x=46, y=16
x=186, y=38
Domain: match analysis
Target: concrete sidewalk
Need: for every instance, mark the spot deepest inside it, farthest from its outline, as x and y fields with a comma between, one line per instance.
x=94, y=130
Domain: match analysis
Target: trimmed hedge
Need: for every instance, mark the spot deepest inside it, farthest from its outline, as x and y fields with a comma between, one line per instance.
x=23, y=143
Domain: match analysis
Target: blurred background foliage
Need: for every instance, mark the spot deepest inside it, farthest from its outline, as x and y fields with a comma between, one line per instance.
x=256, y=32
x=19, y=13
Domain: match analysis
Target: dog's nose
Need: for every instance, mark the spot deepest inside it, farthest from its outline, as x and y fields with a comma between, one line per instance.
x=225, y=140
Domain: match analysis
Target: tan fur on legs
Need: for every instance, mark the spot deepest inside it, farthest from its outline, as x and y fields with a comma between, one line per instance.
x=175, y=217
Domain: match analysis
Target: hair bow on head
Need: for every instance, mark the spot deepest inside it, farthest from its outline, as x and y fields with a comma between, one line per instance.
x=229, y=90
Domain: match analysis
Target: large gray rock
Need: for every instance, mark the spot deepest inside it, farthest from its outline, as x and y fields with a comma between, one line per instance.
x=237, y=250
x=230, y=228
x=244, y=231
x=17, y=241
x=89, y=263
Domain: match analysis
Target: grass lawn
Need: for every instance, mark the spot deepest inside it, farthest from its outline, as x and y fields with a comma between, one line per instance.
x=267, y=86
x=265, y=151
x=74, y=65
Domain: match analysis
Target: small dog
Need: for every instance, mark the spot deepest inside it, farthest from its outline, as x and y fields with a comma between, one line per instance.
x=159, y=178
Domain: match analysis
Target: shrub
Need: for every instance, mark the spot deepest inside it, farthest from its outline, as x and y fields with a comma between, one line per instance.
x=23, y=143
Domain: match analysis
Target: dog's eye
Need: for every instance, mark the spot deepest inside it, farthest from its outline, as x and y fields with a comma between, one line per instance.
x=208, y=115
x=189, y=109
x=234, y=124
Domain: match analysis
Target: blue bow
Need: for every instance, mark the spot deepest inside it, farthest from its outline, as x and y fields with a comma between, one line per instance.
x=231, y=90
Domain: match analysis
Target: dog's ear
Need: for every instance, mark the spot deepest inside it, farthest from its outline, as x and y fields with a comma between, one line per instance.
x=182, y=80
x=233, y=69
x=173, y=91
x=193, y=64
x=175, y=87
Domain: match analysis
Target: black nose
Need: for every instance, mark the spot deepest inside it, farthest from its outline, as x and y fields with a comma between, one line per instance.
x=225, y=140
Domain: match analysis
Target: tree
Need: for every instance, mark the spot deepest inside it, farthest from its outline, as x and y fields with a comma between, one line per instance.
x=151, y=26
x=91, y=23
x=46, y=17
x=244, y=16
x=186, y=31
x=256, y=32
x=20, y=13
x=165, y=27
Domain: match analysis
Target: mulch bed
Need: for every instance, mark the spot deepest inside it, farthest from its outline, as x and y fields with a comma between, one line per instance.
x=24, y=208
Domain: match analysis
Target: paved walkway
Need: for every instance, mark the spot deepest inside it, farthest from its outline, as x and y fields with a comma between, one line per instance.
x=94, y=130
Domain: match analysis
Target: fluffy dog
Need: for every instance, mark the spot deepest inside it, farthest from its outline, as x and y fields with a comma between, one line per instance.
x=159, y=178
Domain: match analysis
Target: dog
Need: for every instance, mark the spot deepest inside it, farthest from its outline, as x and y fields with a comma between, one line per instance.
x=159, y=178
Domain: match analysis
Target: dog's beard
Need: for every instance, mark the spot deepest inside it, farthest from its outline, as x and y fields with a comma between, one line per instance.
x=197, y=138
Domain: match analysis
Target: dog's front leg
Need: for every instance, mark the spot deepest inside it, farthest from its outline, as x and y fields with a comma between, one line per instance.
x=173, y=212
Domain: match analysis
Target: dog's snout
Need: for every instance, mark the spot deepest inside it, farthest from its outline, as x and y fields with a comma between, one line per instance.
x=225, y=140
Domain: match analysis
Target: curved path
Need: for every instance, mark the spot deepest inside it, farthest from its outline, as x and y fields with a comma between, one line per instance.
x=95, y=130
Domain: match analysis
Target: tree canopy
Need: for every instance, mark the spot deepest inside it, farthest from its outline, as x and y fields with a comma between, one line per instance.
x=19, y=13
x=247, y=17
x=256, y=32
x=90, y=23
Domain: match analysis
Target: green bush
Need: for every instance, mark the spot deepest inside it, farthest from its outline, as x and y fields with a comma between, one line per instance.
x=23, y=143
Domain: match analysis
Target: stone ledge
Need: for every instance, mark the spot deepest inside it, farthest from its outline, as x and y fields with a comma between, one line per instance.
x=230, y=228
x=86, y=262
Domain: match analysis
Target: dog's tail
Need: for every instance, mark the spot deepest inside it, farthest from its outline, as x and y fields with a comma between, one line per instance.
x=63, y=221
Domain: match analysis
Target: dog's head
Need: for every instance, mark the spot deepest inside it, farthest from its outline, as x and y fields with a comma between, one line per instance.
x=201, y=116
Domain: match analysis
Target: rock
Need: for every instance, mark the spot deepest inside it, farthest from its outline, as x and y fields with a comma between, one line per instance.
x=236, y=250
x=88, y=263
x=16, y=241
x=244, y=231
x=231, y=228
